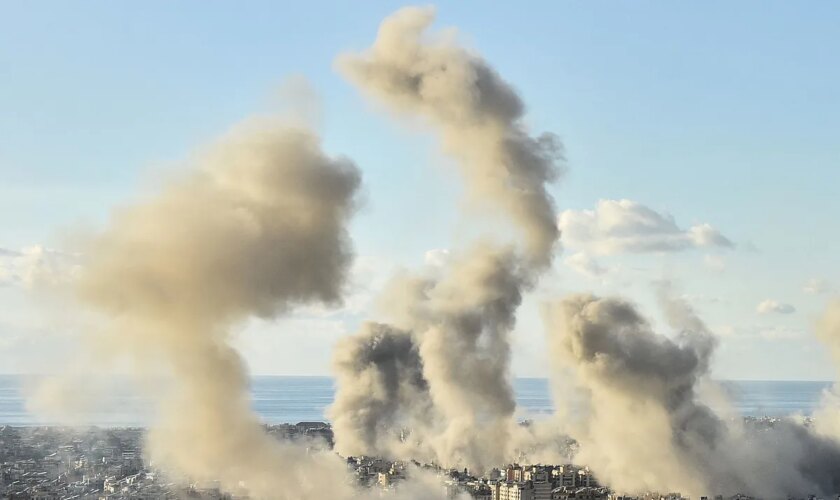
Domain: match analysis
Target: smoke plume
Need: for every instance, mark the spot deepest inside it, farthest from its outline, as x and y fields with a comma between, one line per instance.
x=382, y=390
x=647, y=429
x=477, y=115
x=827, y=417
x=828, y=329
x=256, y=227
x=441, y=372
x=459, y=322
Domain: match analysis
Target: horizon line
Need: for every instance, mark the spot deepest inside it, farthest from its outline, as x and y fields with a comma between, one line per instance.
x=274, y=375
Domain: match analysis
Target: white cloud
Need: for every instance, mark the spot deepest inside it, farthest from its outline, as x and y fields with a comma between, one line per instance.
x=762, y=332
x=816, y=286
x=770, y=306
x=626, y=226
x=35, y=266
x=437, y=257
x=781, y=333
x=582, y=263
x=724, y=330
x=715, y=262
x=705, y=299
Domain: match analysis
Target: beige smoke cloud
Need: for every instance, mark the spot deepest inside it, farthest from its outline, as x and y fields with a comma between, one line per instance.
x=458, y=322
x=382, y=391
x=258, y=226
x=827, y=330
x=477, y=115
x=255, y=227
x=646, y=427
x=461, y=324
x=441, y=372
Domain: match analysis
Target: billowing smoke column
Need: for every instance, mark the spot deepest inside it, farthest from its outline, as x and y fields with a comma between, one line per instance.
x=459, y=323
x=387, y=392
x=634, y=378
x=646, y=429
x=258, y=226
x=477, y=114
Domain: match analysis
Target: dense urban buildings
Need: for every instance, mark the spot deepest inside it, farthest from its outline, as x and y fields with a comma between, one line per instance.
x=57, y=463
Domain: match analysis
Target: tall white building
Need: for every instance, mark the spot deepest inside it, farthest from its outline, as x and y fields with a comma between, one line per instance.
x=513, y=491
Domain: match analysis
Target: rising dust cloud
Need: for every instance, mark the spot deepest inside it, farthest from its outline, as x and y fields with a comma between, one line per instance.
x=258, y=226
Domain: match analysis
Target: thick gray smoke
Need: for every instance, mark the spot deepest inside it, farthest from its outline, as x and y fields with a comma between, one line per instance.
x=256, y=227
x=647, y=429
x=460, y=322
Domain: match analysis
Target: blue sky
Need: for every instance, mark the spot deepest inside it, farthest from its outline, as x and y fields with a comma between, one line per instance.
x=715, y=113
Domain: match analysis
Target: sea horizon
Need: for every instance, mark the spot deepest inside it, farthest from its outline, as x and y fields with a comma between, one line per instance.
x=262, y=375
x=281, y=399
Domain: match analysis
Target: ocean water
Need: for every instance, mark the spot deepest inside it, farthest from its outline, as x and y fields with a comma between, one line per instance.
x=296, y=399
